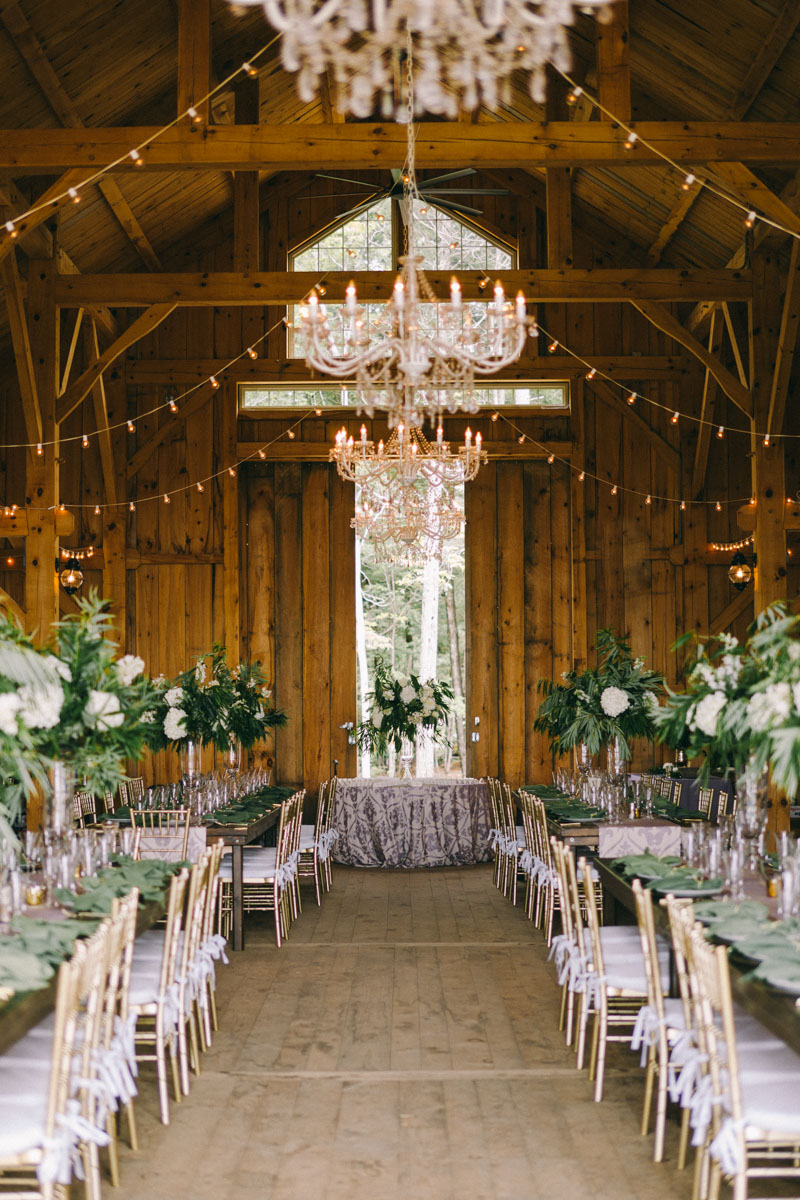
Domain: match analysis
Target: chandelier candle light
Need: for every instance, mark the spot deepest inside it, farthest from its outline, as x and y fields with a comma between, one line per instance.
x=407, y=364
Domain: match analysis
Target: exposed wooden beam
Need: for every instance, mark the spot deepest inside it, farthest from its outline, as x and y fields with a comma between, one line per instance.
x=20, y=523
x=740, y=604
x=143, y=325
x=667, y=453
x=768, y=465
x=706, y=410
x=377, y=145
x=246, y=204
x=101, y=420
x=327, y=99
x=739, y=181
x=294, y=371
x=613, y=62
x=787, y=344
x=49, y=202
x=194, y=54
x=165, y=430
x=733, y=337
x=291, y=287
x=10, y=605
x=746, y=518
x=677, y=214
x=765, y=60
x=68, y=359
x=559, y=217
x=20, y=339
x=297, y=451
x=664, y=320
x=129, y=222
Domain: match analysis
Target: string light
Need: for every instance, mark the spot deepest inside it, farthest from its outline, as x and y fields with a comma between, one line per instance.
x=729, y=547
x=172, y=401
x=39, y=449
x=521, y=439
x=166, y=498
x=290, y=434
x=251, y=353
x=718, y=506
x=199, y=486
x=138, y=161
x=552, y=347
x=84, y=441
x=632, y=398
x=132, y=507
x=591, y=374
x=97, y=510
x=495, y=417
x=648, y=500
x=750, y=219
x=212, y=379
x=688, y=181
x=131, y=427
x=766, y=439
x=572, y=97
x=721, y=432
x=631, y=139
x=262, y=454
x=74, y=195
x=581, y=477
x=551, y=458
x=249, y=69
x=614, y=490
x=232, y=472
x=194, y=114
x=683, y=506
x=674, y=418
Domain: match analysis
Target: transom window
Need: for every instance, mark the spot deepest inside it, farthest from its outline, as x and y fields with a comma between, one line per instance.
x=365, y=243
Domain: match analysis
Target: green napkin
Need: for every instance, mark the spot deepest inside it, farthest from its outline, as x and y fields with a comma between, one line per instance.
x=709, y=911
x=647, y=865
x=772, y=941
x=781, y=970
x=21, y=970
x=684, y=880
x=52, y=941
x=149, y=875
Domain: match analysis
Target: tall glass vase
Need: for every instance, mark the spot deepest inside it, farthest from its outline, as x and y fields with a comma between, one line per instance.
x=57, y=810
x=406, y=758
x=583, y=759
x=751, y=808
x=617, y=761
x=191, y=754
x=232, y=758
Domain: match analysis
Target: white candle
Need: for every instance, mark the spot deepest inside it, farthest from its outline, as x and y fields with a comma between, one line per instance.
x=350, y=297
x=363, y=435
x=455, y=293
x=521, y=310
x=399, y=294
x=439, y=435
x=468, y=438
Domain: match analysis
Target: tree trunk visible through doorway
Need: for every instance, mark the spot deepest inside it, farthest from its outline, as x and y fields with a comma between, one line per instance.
x=428, y=641
x=455, y=667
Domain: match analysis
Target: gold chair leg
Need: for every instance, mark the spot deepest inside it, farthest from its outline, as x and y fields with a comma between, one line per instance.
x=113, y=1149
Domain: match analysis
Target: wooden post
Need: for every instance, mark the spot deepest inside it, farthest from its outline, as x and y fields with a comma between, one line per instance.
x=613, y=63
x=194, y=54
x=42, y=478
x=246, y=211
x=559, y=217
x=115, y=578
x=230, y=530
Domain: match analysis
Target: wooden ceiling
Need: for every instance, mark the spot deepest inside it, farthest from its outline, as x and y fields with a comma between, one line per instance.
x=116, y=66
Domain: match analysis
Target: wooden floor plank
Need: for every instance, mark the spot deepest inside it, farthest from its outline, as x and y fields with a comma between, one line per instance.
x=402, y=1045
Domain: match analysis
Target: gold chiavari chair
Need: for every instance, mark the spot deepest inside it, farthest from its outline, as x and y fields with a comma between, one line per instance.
x=153, y=999
x=515, y=841
x=496, y=832
x=704, y=798
x=123, y=795
x=117, y=1047
x=267, y=876
x=659, y=1023
x=164, y=832
x=677, y=792
x=529, y=861
x=211, y=950
x=550, y=897
x=309, y=864
x=615, y=989
x=136, y=789
x=665, y=786
x=330, y=833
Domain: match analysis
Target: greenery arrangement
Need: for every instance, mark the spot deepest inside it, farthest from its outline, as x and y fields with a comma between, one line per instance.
x=616, y=699
x=741, y=706
x=401, y=706
x=213, y=704
x=72, y=701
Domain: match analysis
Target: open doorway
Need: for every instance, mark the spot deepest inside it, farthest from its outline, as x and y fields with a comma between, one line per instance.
x=412, y=614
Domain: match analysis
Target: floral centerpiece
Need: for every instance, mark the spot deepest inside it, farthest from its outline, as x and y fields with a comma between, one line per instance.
x=213, y=704
x=741, y=706
x=615, y=700
x=402, y=705
x=72, y=705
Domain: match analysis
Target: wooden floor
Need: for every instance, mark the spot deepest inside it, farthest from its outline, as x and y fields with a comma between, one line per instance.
x=404, y=1043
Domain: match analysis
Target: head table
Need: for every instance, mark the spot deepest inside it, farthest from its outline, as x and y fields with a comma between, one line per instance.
x=436, y=822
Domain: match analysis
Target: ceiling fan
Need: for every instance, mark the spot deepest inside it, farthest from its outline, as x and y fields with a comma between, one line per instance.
x=428, y=189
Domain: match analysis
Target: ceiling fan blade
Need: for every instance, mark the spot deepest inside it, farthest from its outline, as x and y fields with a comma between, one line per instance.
x=450, y=205
x=343, y=179
x=450, y=175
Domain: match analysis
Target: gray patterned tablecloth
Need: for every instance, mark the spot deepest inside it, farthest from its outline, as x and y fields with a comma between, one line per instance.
x=634, y=837
x=411, y=823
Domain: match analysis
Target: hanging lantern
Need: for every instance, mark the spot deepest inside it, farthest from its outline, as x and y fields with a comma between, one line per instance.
x=71, y=576
x=740, y=572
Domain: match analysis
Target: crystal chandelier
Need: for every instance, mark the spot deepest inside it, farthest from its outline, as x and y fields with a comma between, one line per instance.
x=407, y=500
x=465, y=52
x=419, y=357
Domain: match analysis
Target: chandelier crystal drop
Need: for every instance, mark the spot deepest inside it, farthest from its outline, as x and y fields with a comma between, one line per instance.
x=466, y=52
x=407, y=502
x=418, y=357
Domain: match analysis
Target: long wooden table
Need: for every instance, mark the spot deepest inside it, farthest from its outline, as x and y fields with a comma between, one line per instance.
x=237, y=837
x=777, y=1011
x=23, y=1010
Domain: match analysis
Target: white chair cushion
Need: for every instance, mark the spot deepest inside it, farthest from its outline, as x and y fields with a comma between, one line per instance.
x=628, y=975
x=307, y=840
x=673, y=1013
x=145, y=982
x=258, y=867
x=620, y=935
x=22, y=1124
x=771, y=1102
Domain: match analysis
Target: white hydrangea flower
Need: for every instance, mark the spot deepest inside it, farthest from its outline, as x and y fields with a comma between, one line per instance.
x=770, y=707
x=403, y=680
x=794, y=651
x=415, y=718
x=128, y=667
x=706, y=713
x=174, y=726
x=148, y=718
x=60, y=668
x=407, y=694
x=730, y=669
x=9, y=707
x=613, y=701
x=174, y=697
x=103, y=711
x=40, y=707
x=650, y=700
x=200, y=672
x=377, y=718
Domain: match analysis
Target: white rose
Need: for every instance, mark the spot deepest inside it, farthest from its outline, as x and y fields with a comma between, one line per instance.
x=706, y=713
x=200, y=672
x=40, y=707
x=174, y=697
x=9, y=707
x=428, y=706
x=128, y=667
x=403, y=680
x=614, y=701
x=770, y=707
x=102, y=710
x=377, y=718
x=408, y=694
x=174, y=726
x=415, y=718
